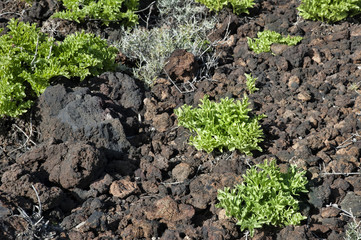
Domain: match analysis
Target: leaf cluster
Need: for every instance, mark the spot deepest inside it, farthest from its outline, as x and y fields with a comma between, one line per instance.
x=28, y=1
x=238, y=6
x=226, y=124
x=267, y=38
x=266, y=196
x=104, y=10
x=329, y=10
x=251, y=83
x=29, y=59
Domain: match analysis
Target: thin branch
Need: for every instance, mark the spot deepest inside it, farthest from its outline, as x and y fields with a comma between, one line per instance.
x=336, y=173
x=346, y=174
x=172, y=183
x=36, y=52
x=353, y=139
x=142, y=10
x=1, y=14
x=193, y=88
x=37, y=196
x=27, y=137
x=150, y=11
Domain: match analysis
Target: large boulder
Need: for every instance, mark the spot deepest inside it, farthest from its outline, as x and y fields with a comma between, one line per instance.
x=78, y=115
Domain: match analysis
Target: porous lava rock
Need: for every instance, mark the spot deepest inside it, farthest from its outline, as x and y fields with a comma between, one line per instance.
x=122, y=89
x=75, y=114
x=170, y=212
x=73, y=164
x=181, y=66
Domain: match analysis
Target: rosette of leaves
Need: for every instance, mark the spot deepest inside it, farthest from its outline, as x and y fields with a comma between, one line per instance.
x=267, y=38
x=226, y=124
x=103, y=10
x=29, y=59
x=329, y=11
x=265, y=197
x=238, y=6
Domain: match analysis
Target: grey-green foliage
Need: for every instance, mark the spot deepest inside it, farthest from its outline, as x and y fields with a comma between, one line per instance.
x=223, y=125
x=176, y=12
x=353, y=231
x=181, y=27
x=238, y=6
x=267, y=38
x=329, y=10
x=104, y=10
x=265, y=197
x=29, y=59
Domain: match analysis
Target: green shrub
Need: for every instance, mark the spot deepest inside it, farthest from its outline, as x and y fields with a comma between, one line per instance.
x=238, y=6
x=104, y=10
x=267, y=38
x=329, y=10
x=266, y=196
x=29, y=59
x=222, y=125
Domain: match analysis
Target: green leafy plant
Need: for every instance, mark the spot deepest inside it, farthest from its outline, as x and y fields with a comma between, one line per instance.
x=222, y=125
x=329, y=11
x=29, y=59
x=266, y=197
x=28, y=1
x=104, y=10
x=238, y=6
x=267, y=38
x=251, y=83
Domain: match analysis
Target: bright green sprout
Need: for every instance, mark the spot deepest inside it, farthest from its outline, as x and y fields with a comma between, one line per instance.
x=238, y=6
x=251, y=83
x=267, y=38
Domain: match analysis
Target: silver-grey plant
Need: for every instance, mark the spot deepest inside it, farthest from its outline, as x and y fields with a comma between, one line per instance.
x=182, y=25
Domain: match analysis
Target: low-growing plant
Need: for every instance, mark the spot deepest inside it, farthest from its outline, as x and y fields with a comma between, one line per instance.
x=354, y=86
x=238, y=6
x=104, y=10
x=267, y=38
x=38, y=227
x=175, y=12
x=251, y=83
x=226, y=124
x=28, y=1
x=352, y=228
x=150, y=48
x=29, y=59
x=265, y=197
x=329, y=11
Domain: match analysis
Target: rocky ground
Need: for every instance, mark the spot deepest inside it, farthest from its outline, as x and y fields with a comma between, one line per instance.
x=108, y=160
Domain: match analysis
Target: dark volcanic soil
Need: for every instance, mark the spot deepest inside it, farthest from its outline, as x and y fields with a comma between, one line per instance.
x=109, y=161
